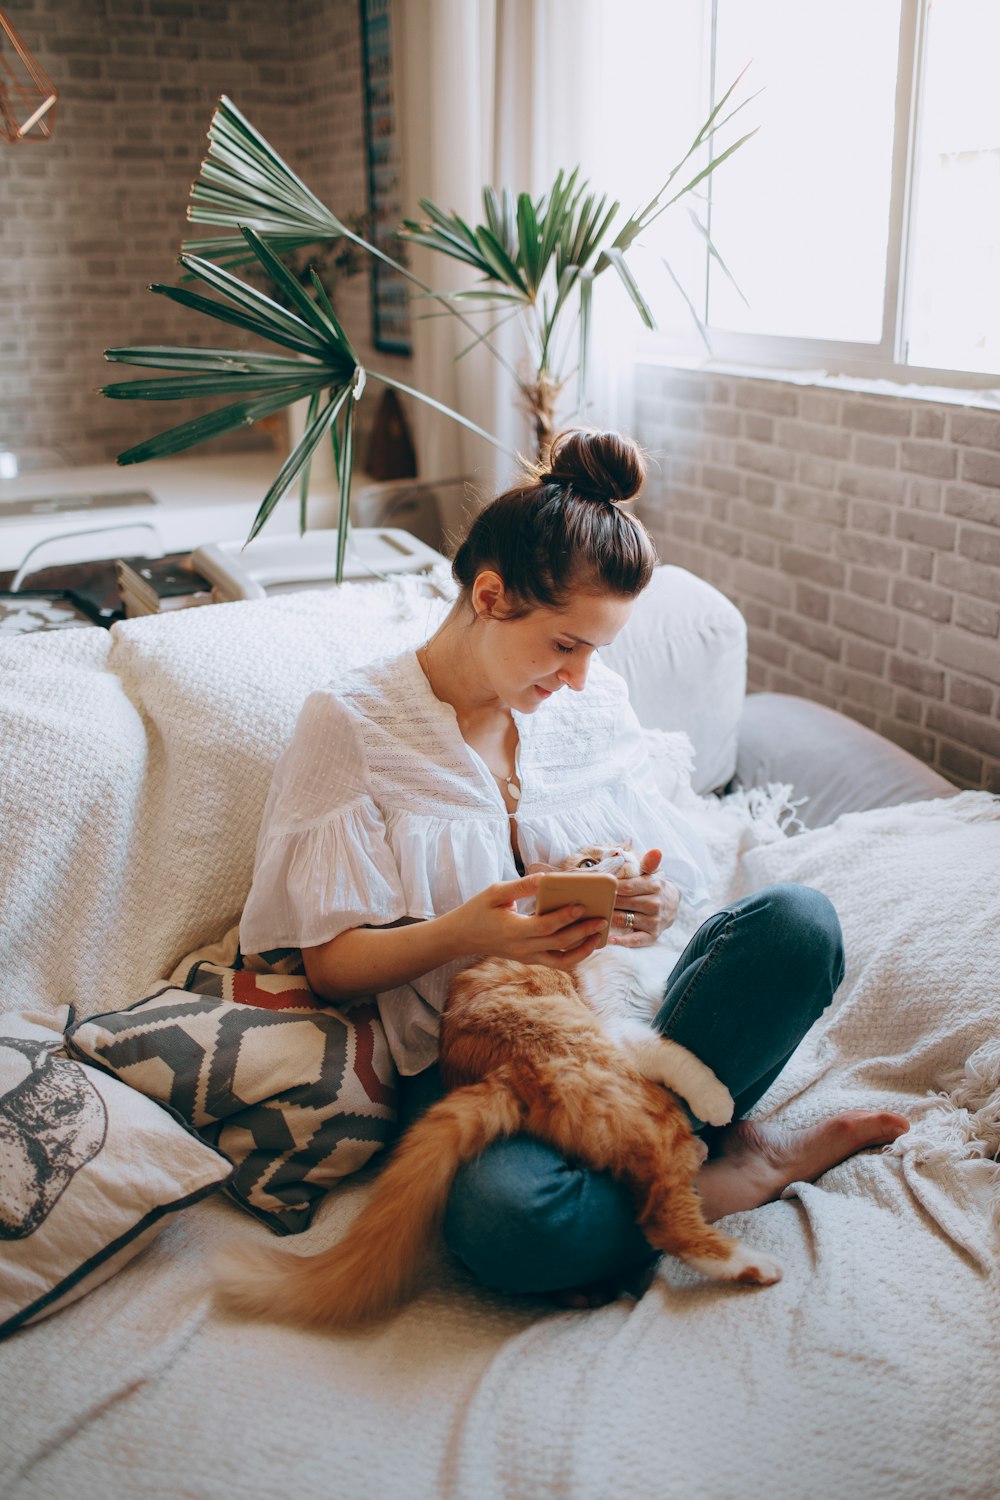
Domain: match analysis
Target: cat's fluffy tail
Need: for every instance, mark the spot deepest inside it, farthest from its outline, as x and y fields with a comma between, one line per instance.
x=375, y=1265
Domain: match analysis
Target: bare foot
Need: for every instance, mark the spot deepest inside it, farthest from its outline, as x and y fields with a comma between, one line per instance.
x=755, y=1163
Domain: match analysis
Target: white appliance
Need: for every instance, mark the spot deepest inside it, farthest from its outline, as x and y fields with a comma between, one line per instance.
x=176, y=503
x=282, y=564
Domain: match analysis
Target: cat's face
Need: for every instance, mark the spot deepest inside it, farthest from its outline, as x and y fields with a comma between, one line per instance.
x=605, y=859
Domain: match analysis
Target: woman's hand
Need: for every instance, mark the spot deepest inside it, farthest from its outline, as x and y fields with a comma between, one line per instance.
x=652, y=900
x=491, y=927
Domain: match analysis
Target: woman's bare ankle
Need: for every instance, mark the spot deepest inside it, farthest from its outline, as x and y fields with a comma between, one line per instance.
x=752, y=1164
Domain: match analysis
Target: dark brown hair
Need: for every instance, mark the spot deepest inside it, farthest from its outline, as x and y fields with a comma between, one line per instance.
x=564, y=527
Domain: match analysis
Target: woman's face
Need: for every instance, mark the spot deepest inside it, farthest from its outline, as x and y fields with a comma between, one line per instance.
x=527, y=660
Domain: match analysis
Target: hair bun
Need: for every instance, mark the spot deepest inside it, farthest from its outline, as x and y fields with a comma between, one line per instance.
x=596, y=465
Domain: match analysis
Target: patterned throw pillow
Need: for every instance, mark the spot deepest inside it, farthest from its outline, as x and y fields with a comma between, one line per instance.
x=296, y=1093
x=89, y=1171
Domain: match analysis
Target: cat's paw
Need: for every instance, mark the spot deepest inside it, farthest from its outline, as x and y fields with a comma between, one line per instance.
x=749, y=1267
x=711, y=1101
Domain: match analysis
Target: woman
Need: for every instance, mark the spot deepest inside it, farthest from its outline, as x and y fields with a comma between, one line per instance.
x=404, y=812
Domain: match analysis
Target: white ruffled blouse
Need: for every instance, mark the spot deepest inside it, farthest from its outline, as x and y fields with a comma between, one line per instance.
x=379, y=809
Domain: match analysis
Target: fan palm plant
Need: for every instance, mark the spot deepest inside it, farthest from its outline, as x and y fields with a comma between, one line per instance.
x=537, y=258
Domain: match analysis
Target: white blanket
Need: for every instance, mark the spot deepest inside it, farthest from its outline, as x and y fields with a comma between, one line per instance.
x=869, y=1372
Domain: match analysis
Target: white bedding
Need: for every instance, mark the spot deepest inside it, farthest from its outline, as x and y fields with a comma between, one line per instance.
x=869, y=1372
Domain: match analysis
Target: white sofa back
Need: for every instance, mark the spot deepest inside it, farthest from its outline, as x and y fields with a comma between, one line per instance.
x=135, y=765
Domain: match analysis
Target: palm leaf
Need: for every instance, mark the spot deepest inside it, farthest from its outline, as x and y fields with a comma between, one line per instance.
x=713, y=252
x=200, y=429
x=617, y=259
x=212, y=309
x=299, y=457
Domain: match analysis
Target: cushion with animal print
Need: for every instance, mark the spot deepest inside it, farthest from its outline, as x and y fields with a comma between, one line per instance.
x=89, y=1170
x=296, y=1093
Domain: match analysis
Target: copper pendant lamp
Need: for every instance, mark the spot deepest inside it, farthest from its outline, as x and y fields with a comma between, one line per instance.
x=27, y=95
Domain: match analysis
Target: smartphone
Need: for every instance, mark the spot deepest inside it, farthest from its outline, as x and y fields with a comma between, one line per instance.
x=595, y=893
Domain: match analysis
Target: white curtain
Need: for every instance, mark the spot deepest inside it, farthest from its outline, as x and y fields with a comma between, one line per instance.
x=506, y=92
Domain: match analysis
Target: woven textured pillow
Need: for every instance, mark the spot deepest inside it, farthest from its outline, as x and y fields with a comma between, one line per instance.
x=296, y=1093
x=89, y=1171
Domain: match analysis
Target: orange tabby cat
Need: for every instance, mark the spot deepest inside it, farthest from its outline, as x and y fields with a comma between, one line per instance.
x=522, y=1049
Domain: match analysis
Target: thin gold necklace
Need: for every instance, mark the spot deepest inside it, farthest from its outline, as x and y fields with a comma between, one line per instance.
x=510, y=782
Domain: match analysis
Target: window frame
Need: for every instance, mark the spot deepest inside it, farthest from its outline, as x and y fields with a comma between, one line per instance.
x=885, y=360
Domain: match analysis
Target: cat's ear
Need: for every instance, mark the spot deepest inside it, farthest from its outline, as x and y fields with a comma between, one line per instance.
x=538, y=868
x=626, y=843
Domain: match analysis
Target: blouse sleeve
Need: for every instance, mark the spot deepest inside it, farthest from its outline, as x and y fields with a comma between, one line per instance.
x=323, y=863
x=655, y=822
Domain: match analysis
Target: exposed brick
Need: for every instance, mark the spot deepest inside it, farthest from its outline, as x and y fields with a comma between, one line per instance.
x=928, y=681
x=729, y=481
x=761, y=395
x=868, y=584
x=981, y=468
x=925, y=494
x=869, y=620
x=977, y=429
x=820, y=473
x=871, y=552
x=822, y=570
x=863, y=715
x=916, y=636
x=930, y=531
x=917, y=743
x=982, y=546
x=865, y=690
x=871, y=416
x=757, y=428
x=722, y=421
x=983, y=619
x=757, y=615
x=906, y=707
x=819, y=406
x=766, y=648
x=965, y=729
x=810, y=635
x=866, y=516
x=936, y=459
x=761, y=583
x=811, y=438
x=974, y=695
x=968, y=577
x=812, y=602
x=973, y=505
x=722, y=538
x=771, y=461
x=760, y=549
x=929, y=422
x=960, y=765
x=865, y=658
x=876, y=453
x=935, y=604
x=816, y=505
x=815, y=536
x=920, y=562
x=868, y=484
x=976, y=657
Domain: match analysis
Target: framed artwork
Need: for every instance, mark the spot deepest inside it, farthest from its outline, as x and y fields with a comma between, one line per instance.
x=389, y=290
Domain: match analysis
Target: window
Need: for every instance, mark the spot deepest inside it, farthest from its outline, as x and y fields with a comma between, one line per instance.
x=862, y=222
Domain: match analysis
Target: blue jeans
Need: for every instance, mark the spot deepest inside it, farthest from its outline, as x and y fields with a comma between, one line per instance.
x=741, y=997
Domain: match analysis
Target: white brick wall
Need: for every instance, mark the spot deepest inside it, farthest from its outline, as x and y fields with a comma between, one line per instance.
x=90, y=218
x=860, y=535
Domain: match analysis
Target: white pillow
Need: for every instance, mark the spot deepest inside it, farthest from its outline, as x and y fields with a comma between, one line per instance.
x=684, y=656
x=89, y=1170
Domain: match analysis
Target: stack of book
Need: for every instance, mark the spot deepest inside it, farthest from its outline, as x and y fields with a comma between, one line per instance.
x=153, y=586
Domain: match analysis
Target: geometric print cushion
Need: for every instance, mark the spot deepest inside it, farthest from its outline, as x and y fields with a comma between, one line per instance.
x=90, y=1171
x=296, y=1093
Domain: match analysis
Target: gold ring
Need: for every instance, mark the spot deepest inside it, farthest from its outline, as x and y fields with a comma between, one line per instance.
x=629, y=920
